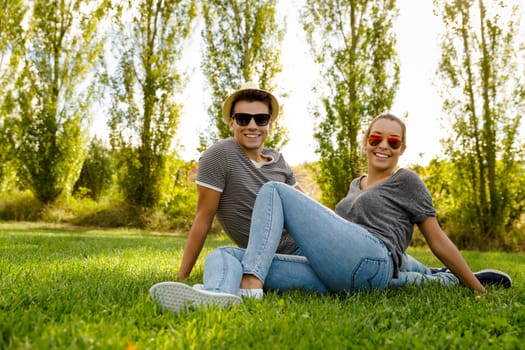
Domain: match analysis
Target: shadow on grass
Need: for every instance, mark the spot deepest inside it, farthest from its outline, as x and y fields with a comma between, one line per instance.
x=51, y=242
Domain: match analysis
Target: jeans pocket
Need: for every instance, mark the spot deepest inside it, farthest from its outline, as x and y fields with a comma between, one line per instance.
x=370, y=274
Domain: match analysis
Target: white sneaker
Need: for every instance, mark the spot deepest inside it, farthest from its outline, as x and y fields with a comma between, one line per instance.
x=243, y=293
x=251, y=293
x=175, y=296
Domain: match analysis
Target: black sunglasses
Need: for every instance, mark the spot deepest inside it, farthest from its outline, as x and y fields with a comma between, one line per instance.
x=244, y=119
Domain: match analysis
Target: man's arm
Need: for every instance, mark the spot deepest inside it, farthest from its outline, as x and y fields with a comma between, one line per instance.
x=207, y=204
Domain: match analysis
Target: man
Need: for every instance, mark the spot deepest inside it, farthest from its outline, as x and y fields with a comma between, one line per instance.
x=232, y=171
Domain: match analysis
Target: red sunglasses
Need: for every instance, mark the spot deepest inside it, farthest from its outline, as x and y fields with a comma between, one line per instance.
x=393, y=141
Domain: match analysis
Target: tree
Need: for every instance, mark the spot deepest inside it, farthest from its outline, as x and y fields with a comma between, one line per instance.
x=484, y=94
x=11, y=44
x=242, y=42
x=53, y=93
x=97, y=170
x=145, y=113
x=354, y=43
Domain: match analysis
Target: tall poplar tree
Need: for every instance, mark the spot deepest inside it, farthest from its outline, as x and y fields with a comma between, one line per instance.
x=53, y=94
x=242, y=42
x=483, y=86
x=145, y=113
x=11, y=16
x=354, y=43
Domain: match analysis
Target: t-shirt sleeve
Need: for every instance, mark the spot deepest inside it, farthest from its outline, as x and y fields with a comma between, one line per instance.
x=418, y=199
x=212, y=171
x=290, y=176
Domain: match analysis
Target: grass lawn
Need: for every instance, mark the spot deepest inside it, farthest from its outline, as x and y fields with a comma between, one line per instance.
x=64, y=288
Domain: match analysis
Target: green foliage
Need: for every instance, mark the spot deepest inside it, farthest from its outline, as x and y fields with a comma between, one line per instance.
x=242, y=42
x=8, y=177
x=11, y=16
x=20, y=206
x=174, y=213
x=306, y=175
x=107, y=212
x=81, y=289
x=11, y=45
x=181, y=204
x=145, y=114
x=8, y=163
x=52, y=94
x=97, y=170
x=447, y=188
x=354, y=43
x=482, y=84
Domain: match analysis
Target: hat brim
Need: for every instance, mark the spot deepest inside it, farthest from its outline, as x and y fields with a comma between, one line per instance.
x=227, y=106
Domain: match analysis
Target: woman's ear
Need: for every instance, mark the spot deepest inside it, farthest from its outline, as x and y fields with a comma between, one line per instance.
x=403, y=148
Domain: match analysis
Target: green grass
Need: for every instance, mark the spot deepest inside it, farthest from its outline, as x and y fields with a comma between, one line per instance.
x=66, y=288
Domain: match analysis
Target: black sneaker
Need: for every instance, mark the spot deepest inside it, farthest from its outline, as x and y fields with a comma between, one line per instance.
x=494, y=278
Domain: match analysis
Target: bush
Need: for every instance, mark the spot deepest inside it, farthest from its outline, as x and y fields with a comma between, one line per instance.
x=20, y=206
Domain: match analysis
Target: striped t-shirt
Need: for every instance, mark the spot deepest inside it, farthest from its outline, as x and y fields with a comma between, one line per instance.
x=225, y=168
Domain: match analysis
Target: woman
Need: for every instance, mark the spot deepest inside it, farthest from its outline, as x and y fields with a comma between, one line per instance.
x=360, y=246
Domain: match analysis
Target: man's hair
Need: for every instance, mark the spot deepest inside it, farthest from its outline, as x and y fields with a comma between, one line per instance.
x=251, y=96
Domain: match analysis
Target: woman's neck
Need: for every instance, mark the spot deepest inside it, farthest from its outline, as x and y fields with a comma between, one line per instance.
x=374, y=177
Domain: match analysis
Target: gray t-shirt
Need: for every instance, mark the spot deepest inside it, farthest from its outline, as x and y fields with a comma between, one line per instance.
x=225, y=168
x=389, y=210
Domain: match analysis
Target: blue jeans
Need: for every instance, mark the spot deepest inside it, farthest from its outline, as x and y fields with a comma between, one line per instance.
x=334, y=255
x=412, y=272
x=223, y=272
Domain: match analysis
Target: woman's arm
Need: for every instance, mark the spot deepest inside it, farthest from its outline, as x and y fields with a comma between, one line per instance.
x=446, y=251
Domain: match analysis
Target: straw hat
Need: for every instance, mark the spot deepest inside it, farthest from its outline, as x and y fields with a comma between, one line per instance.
x=226, y=108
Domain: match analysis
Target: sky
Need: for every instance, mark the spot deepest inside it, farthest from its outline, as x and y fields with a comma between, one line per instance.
x=417, y=30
